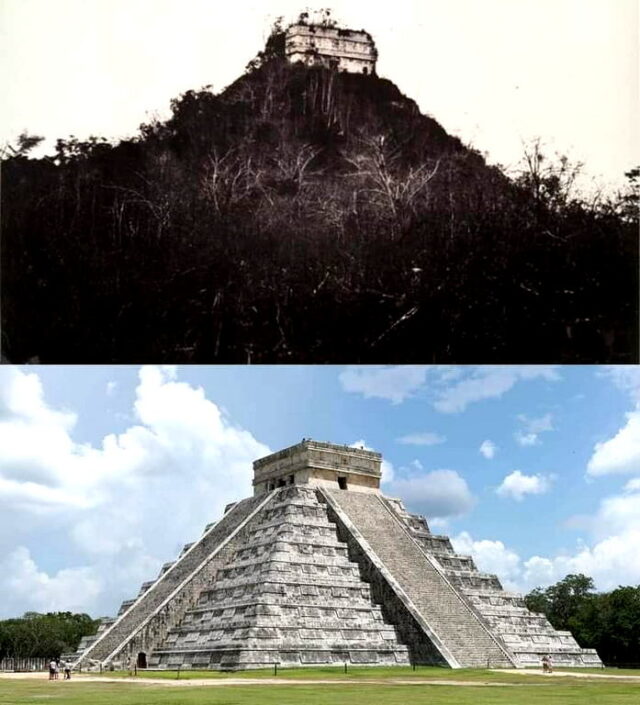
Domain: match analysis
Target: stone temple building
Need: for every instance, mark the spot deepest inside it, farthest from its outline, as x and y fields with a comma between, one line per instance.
x=343, y=49
x=319, y=567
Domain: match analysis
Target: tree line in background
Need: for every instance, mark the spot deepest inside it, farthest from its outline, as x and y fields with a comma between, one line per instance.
x=606, y=621
x=44, y=635
x=309, y=216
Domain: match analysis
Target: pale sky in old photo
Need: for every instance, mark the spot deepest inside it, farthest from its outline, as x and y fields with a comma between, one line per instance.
x=496, y=73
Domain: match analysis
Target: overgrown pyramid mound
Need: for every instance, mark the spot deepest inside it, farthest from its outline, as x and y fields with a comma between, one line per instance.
x=343, y=118
x=318, y=567
x=308, y=215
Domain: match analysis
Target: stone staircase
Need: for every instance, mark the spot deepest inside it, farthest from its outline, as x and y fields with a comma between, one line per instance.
x=451, y=623
x=527, y=635
x=309, y=572
x=86, y=641
x=287, y=593
x=171, y=593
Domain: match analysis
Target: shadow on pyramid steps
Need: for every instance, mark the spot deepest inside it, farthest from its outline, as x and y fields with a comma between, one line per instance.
x=319, y=568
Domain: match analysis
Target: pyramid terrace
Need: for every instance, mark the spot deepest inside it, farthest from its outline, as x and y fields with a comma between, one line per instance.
x=319, y=567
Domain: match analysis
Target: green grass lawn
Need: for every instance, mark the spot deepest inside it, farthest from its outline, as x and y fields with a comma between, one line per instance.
x=364, y=673
x=354, y=673
x=599, y=671
x=556, y=693
x=560, y=691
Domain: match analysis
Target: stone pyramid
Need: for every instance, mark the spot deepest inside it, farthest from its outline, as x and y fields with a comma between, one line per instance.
x=318, y=567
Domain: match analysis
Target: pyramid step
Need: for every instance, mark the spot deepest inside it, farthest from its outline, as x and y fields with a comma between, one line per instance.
x=449, y=622
x=305, y=607
x=309, y=574
x=175, y=580
x=304, y=596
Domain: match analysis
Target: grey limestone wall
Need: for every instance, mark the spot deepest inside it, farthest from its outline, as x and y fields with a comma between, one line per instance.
x=131, y=631
x=288, y=593
x=421, y=648
x=528, y=636
x=454, y=627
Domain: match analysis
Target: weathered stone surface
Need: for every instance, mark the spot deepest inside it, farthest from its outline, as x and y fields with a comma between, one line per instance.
x=163, y=601
x=446, y=619
x=526, y=635
x=342, y=49
x=319, y=568
x=288, y=594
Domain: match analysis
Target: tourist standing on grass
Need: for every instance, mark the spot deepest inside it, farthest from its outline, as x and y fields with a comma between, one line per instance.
x=67, y=670
x=545, y=664
x=52, y=669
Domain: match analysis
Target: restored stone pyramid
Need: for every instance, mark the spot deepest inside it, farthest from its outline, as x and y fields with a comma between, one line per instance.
x=318, y=567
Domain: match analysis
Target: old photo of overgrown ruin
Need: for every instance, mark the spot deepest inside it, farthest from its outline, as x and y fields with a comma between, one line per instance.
x=310, y=212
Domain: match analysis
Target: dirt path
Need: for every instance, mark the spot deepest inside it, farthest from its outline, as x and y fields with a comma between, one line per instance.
x=256, y=681
x=568, y=674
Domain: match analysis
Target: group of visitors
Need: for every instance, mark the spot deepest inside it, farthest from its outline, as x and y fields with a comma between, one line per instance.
x=55, y=666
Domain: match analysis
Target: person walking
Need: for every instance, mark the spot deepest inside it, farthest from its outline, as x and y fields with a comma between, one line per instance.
x=66, y=667
x=52, y=669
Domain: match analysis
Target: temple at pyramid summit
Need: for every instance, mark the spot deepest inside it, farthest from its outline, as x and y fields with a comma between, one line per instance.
x=318, y=567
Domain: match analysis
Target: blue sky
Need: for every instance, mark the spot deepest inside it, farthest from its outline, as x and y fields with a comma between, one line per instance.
x=106, y=471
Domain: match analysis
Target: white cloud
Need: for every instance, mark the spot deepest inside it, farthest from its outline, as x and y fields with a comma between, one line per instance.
x=543, y=423
x=21, y=398
x=611, y=559
x=620, y=454
x=439, y=524
x=111, y=388
x=625, y=378
x=451, y=389
x=618, y=514
x=490, y=557
x=392, y=382
x=436, y=494
x=516, y=485
x=108, y=504
x=531, y=429
x=425, y=438
x=74, y=589
x=488, y=382
x=488, y=449
x=526, y=439
x=386, y=467
x=633, y=485
x=611, y=562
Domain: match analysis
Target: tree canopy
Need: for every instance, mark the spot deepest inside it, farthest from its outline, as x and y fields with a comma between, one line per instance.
x=44, y=635
x=304, y=215
x=608, y=621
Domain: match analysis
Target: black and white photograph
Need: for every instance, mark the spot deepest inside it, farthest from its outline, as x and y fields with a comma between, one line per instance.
x=259, y=182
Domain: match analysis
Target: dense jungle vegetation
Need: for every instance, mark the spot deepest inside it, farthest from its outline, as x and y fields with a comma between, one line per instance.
x=44, y=635
x=302, y=215
x=606, y=621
